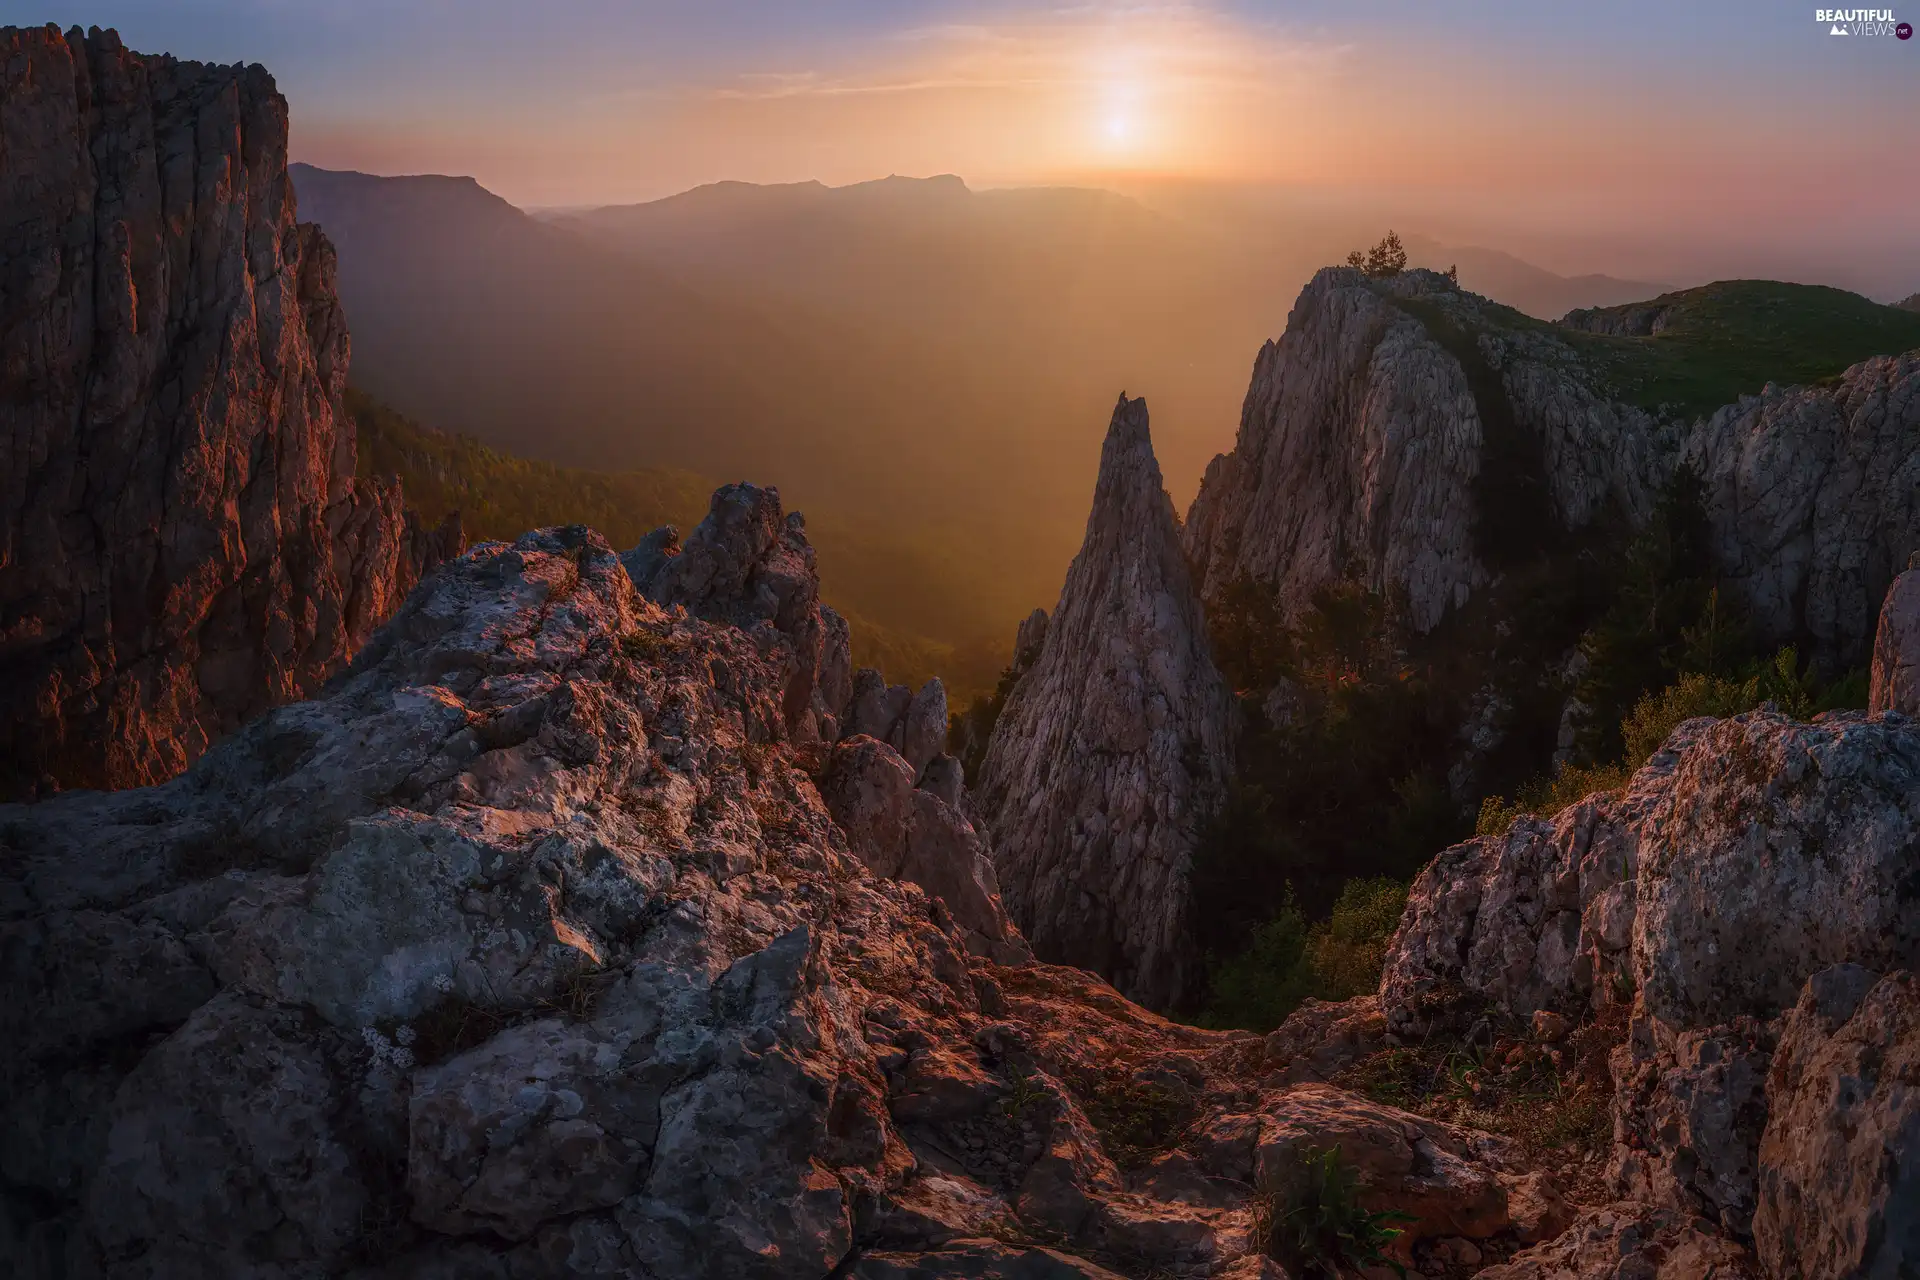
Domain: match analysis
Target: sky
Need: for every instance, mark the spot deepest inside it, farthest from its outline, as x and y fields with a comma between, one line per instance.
x=1666, y=140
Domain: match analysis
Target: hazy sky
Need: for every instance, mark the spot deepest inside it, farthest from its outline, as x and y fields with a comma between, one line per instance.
x=1650, y=137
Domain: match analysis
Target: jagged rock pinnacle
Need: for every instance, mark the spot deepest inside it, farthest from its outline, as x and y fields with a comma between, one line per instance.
x=1115, y=745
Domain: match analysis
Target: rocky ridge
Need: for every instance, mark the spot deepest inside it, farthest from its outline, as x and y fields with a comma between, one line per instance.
x=1114, y=745
x=182, y=540
x=534, y=948
x=1395, y=416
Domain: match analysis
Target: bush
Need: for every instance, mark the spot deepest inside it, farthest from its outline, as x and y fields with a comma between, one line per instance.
x=1286, y=962
x=1258, y=987
x=1314, y=1223
x=1348, y=949
x=1653, y=719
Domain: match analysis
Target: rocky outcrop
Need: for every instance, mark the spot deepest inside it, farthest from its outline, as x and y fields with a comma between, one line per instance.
x=750, y=566
x=1814, y=494
x=920, y=836
x=182, y=540
x=1715, y=894
x=1896, y=647
x=1365, y=433
x=913, y=724
x=1839, y=1186
x=532, y=949
x=1406, y=434
x=1114, y=746
x=1643, y=1241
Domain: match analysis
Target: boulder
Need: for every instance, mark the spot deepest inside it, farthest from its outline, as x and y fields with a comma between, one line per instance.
x=1839, y=1185
x=1635, y=1240
x=749, y=565
x=1745, y=856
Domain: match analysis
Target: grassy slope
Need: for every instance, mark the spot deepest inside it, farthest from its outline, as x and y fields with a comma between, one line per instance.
x=500, y=496
x=1731, y=338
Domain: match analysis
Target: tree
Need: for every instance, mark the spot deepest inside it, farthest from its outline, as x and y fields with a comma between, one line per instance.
x=1388, y=258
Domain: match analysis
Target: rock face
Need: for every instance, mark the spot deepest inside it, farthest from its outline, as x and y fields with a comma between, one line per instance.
x=1113, y=747
x=1747, y=859
x=1839, y=1191
x=1364, y=434
x=1896, y=647
x=533, y=950
x=182, y=540
x=1393, y=413
x=751, y=566
x=1815, y=499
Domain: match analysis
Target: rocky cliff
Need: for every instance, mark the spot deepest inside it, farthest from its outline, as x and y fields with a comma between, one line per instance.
x=1115, y=745
x=534, y=948
x=1750, y=899
x=182, y=541
x=1895, y=678
x=1418, y=438
x=547, y=944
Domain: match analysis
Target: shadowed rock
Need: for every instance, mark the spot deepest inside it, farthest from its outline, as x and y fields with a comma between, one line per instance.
x=1896, y=647
x=183, y=543
x=1114, y=746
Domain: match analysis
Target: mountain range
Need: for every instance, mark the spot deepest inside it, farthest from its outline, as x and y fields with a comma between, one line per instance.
x=913, y=359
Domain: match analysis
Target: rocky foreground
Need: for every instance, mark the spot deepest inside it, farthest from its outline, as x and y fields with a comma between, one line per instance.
x=183, y=543
x=560, y=939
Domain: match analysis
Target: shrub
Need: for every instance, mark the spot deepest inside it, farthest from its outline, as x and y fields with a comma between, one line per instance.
x=1266, y=980
x=1314, y=1224
x=1348, y=949
x=1286, y=963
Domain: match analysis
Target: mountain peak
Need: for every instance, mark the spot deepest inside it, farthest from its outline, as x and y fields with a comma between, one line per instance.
x=1112, y=748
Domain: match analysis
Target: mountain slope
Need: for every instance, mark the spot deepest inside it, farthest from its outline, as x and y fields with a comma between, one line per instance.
x=890, y=586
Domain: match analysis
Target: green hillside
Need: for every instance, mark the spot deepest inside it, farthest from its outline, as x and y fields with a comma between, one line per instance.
x=1730, y=338
x=889, y=587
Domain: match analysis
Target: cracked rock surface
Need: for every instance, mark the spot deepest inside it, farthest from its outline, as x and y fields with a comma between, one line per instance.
x=1115, y=744
x=183, y=543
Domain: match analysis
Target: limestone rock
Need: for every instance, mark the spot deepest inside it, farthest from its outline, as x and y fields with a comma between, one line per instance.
x=1812, y=494
x=1839, y=1194
x=533, y=949
x=1689, y=1106
x=1370, y=423
x=1896, y=647
x=920, y=837
x=748, y=564
x=979, y=1260
x=1747, y=855
x=923, y=730
x=183, y=543
x=1631, y=1240
x=1113, y=748
x=1320, y=1039
x=1362, y=437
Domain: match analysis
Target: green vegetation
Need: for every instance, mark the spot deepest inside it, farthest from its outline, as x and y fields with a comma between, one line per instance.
x=1314, y=1224
x=891, y=588
x=1287, y=962
x=1553, y=1099
x=1728, y=339
x=1782, y=680
x=1387, y=258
